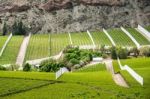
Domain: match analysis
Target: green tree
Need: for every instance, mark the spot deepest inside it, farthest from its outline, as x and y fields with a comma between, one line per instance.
x=4, y=29
x=113, y=53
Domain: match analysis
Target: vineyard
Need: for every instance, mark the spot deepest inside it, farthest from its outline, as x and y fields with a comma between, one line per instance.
x=90, y=80
x=120, y=38
x=10, y=53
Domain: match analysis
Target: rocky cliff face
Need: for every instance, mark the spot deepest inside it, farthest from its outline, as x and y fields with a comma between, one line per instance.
x=58, y=16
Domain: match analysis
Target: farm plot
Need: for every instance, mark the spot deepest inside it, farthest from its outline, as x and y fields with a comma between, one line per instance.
x=120, y=38
x=139, y=37
x=10, y=53
x=38, y=47
x=2, y=41
x=100, y=39
x=58, y=42
x=79, y=39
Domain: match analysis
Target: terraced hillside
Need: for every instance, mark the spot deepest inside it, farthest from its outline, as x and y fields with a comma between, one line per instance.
x=58, y=42
x=81, y=38
x=38, y=47
x=139, y=37
x=10, y=53
x=120, y=38
x=100, y=39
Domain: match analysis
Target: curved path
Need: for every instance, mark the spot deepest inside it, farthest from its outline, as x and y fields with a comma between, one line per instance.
x=119, y=80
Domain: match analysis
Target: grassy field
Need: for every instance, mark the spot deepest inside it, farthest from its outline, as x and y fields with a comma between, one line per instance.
x=10, y=53
x=120, y=38
x=38, y=47
x=100, y=39
x=140, y=38
x=2, y=41
x=58, y=43
x=78, y=85
x=80, y=39
x=11, y=86
x=93, y=68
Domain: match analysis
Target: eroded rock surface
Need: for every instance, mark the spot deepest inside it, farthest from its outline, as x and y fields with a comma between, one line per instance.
x=58, y=16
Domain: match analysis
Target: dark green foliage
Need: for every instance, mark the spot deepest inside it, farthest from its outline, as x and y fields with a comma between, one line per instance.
x=2, y=68
x=122, y=53
x=75, y=56
x=4, y=29
x=113, y=53
x=74, y=61
x=50, y=66
x=18, y=28
x=27, y=67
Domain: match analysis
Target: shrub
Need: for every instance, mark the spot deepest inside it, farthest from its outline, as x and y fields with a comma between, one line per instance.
x=51, y=65
x=27, y=67
x=122, y=53
x=74, y=61
x=135, y=51
x=2, y=68
x=113, y=53
x=104, y=56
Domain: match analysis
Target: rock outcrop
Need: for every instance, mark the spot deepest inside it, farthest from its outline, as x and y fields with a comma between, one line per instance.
x=58, y=16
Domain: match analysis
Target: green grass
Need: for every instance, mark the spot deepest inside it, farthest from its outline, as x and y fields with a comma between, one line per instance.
x=2, y=41
x=142, y=67
x=120, y=38
x=38, y=47
x=100, y=39
x=58, y=43
x=140, y=38
x=28, y=75
x=10, y=86
x=147, y=28
x=79, y=39
x=10, y=53
x=92, y=68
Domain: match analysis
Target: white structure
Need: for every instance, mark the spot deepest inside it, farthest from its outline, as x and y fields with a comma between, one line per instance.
x=144, y=32
x=61, y=71
x=97, y=59
x=110, y=38
x=70, y=38
x=135, y=75
x=22, y=51
x=4, y=46
x=89, y=34
x=131, y=37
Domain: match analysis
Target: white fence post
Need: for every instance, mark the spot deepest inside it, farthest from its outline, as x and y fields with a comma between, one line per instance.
x=4, y=46
x=131, y=37
x=70, y=38
x=61, y=71
x=110, y=38
x=89, y=34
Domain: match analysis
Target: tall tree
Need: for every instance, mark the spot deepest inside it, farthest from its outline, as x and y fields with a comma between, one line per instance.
x=4, y=28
